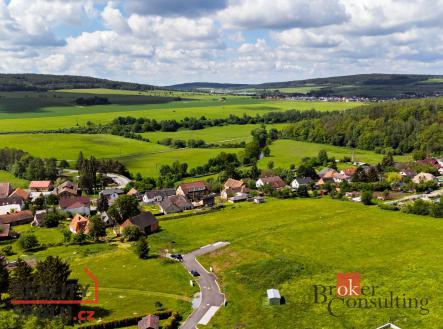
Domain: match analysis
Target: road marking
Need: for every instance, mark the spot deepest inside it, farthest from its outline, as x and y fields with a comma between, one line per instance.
x=208, y=315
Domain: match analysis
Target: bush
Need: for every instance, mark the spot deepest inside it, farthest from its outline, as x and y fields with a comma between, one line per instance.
x=52, y=219
x=142, y=248
x=7, y=251
x=366, y=197
x=385, y=206
x=418, y=207
x=131, y=233
x=28, y=241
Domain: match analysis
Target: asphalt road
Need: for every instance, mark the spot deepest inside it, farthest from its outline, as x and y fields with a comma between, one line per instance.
x=211, y=296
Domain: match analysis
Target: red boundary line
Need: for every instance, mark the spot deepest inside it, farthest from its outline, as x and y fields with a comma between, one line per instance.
x=63, y=302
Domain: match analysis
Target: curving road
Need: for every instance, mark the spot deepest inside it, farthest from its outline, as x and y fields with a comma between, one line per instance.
x=211, y=296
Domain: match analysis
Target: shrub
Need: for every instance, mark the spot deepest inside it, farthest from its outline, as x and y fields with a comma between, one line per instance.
x=366, y=197
x=28, y=241
x=142, y=248
x=131, y=233
x=385, y=206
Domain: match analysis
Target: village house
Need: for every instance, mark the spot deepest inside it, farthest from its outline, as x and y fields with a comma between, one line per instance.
x=67, y=189
x=79, y=224
x=157, y=196
x=325, y=171
x=76, y=205
x=300, y=181
x=21, y=193
x=5, y=231
x=5, y=190
x=17, y=218
x=234, y=189
x=194, y=191
x=145, y=221
x=239, y=197
x=40, y=186
x=149, y=322
x=338, y=177
x=273, y=181
x=38, y=218
x=174, y=204
x=111, y=194
x=11, y=204
x=349, y=171
x=106, y=219
x=423, y=178
x=135, y=192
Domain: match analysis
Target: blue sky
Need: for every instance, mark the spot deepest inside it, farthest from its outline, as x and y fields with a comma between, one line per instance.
x=164, y=42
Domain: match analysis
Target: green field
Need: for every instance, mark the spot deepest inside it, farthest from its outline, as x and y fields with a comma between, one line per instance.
x=16, y=182
x=223, y=134
x=293, y=244
x=138, y=156
x=23, y=111
x=287, y=152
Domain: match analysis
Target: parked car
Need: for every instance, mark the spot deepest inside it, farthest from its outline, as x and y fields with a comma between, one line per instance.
x=195, y=273
x=177, y=256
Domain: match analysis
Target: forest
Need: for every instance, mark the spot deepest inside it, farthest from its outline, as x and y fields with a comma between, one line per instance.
x=400, y=127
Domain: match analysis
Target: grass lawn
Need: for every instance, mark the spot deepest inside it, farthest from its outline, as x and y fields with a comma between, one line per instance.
x=138, y=156
x=223, y=134
x=292, y=245
x=286, y=152
x=16, y=182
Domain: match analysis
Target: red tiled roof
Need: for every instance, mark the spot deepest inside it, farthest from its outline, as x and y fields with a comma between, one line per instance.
x=70, y=201
x=194, y=186
x=21, y=194
x=275, y=181
x=150, y=321
x=15, y=217
x=79, y=223
x=233, y=183
x=350, y=171
x=40, y=184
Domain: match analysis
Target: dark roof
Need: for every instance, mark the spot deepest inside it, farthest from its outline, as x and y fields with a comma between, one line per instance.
x=111, y=191
x=194, y=186
x=303, y=180
x=11, y=200
x=142, y=220
x=69, y=201
x=5, y=189
x=164, y=193
x=175, y=203
x=4, y=230
x=16, y=217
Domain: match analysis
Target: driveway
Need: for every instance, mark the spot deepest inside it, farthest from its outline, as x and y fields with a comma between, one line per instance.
x=120, y=180
x=211, y=296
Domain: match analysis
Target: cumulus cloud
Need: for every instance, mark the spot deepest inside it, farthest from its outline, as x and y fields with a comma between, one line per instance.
x=171, y=41
x=282, y=14
x=189, y=8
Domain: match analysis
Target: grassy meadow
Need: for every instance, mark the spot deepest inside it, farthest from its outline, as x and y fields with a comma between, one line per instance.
x=16, y=182
x=23, y=111
x=281, y=245
x=145, y=158
x=286, y=152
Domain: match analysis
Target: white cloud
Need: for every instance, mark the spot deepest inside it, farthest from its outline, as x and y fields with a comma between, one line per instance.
x=306, y=38
x=114, y=19
x=280, y=14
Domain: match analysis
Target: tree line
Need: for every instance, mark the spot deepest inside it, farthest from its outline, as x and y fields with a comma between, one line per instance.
x=401, y=127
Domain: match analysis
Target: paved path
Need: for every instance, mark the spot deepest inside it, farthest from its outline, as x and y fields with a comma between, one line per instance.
x=120, y=180
x=212, y=298
x=433, y=194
